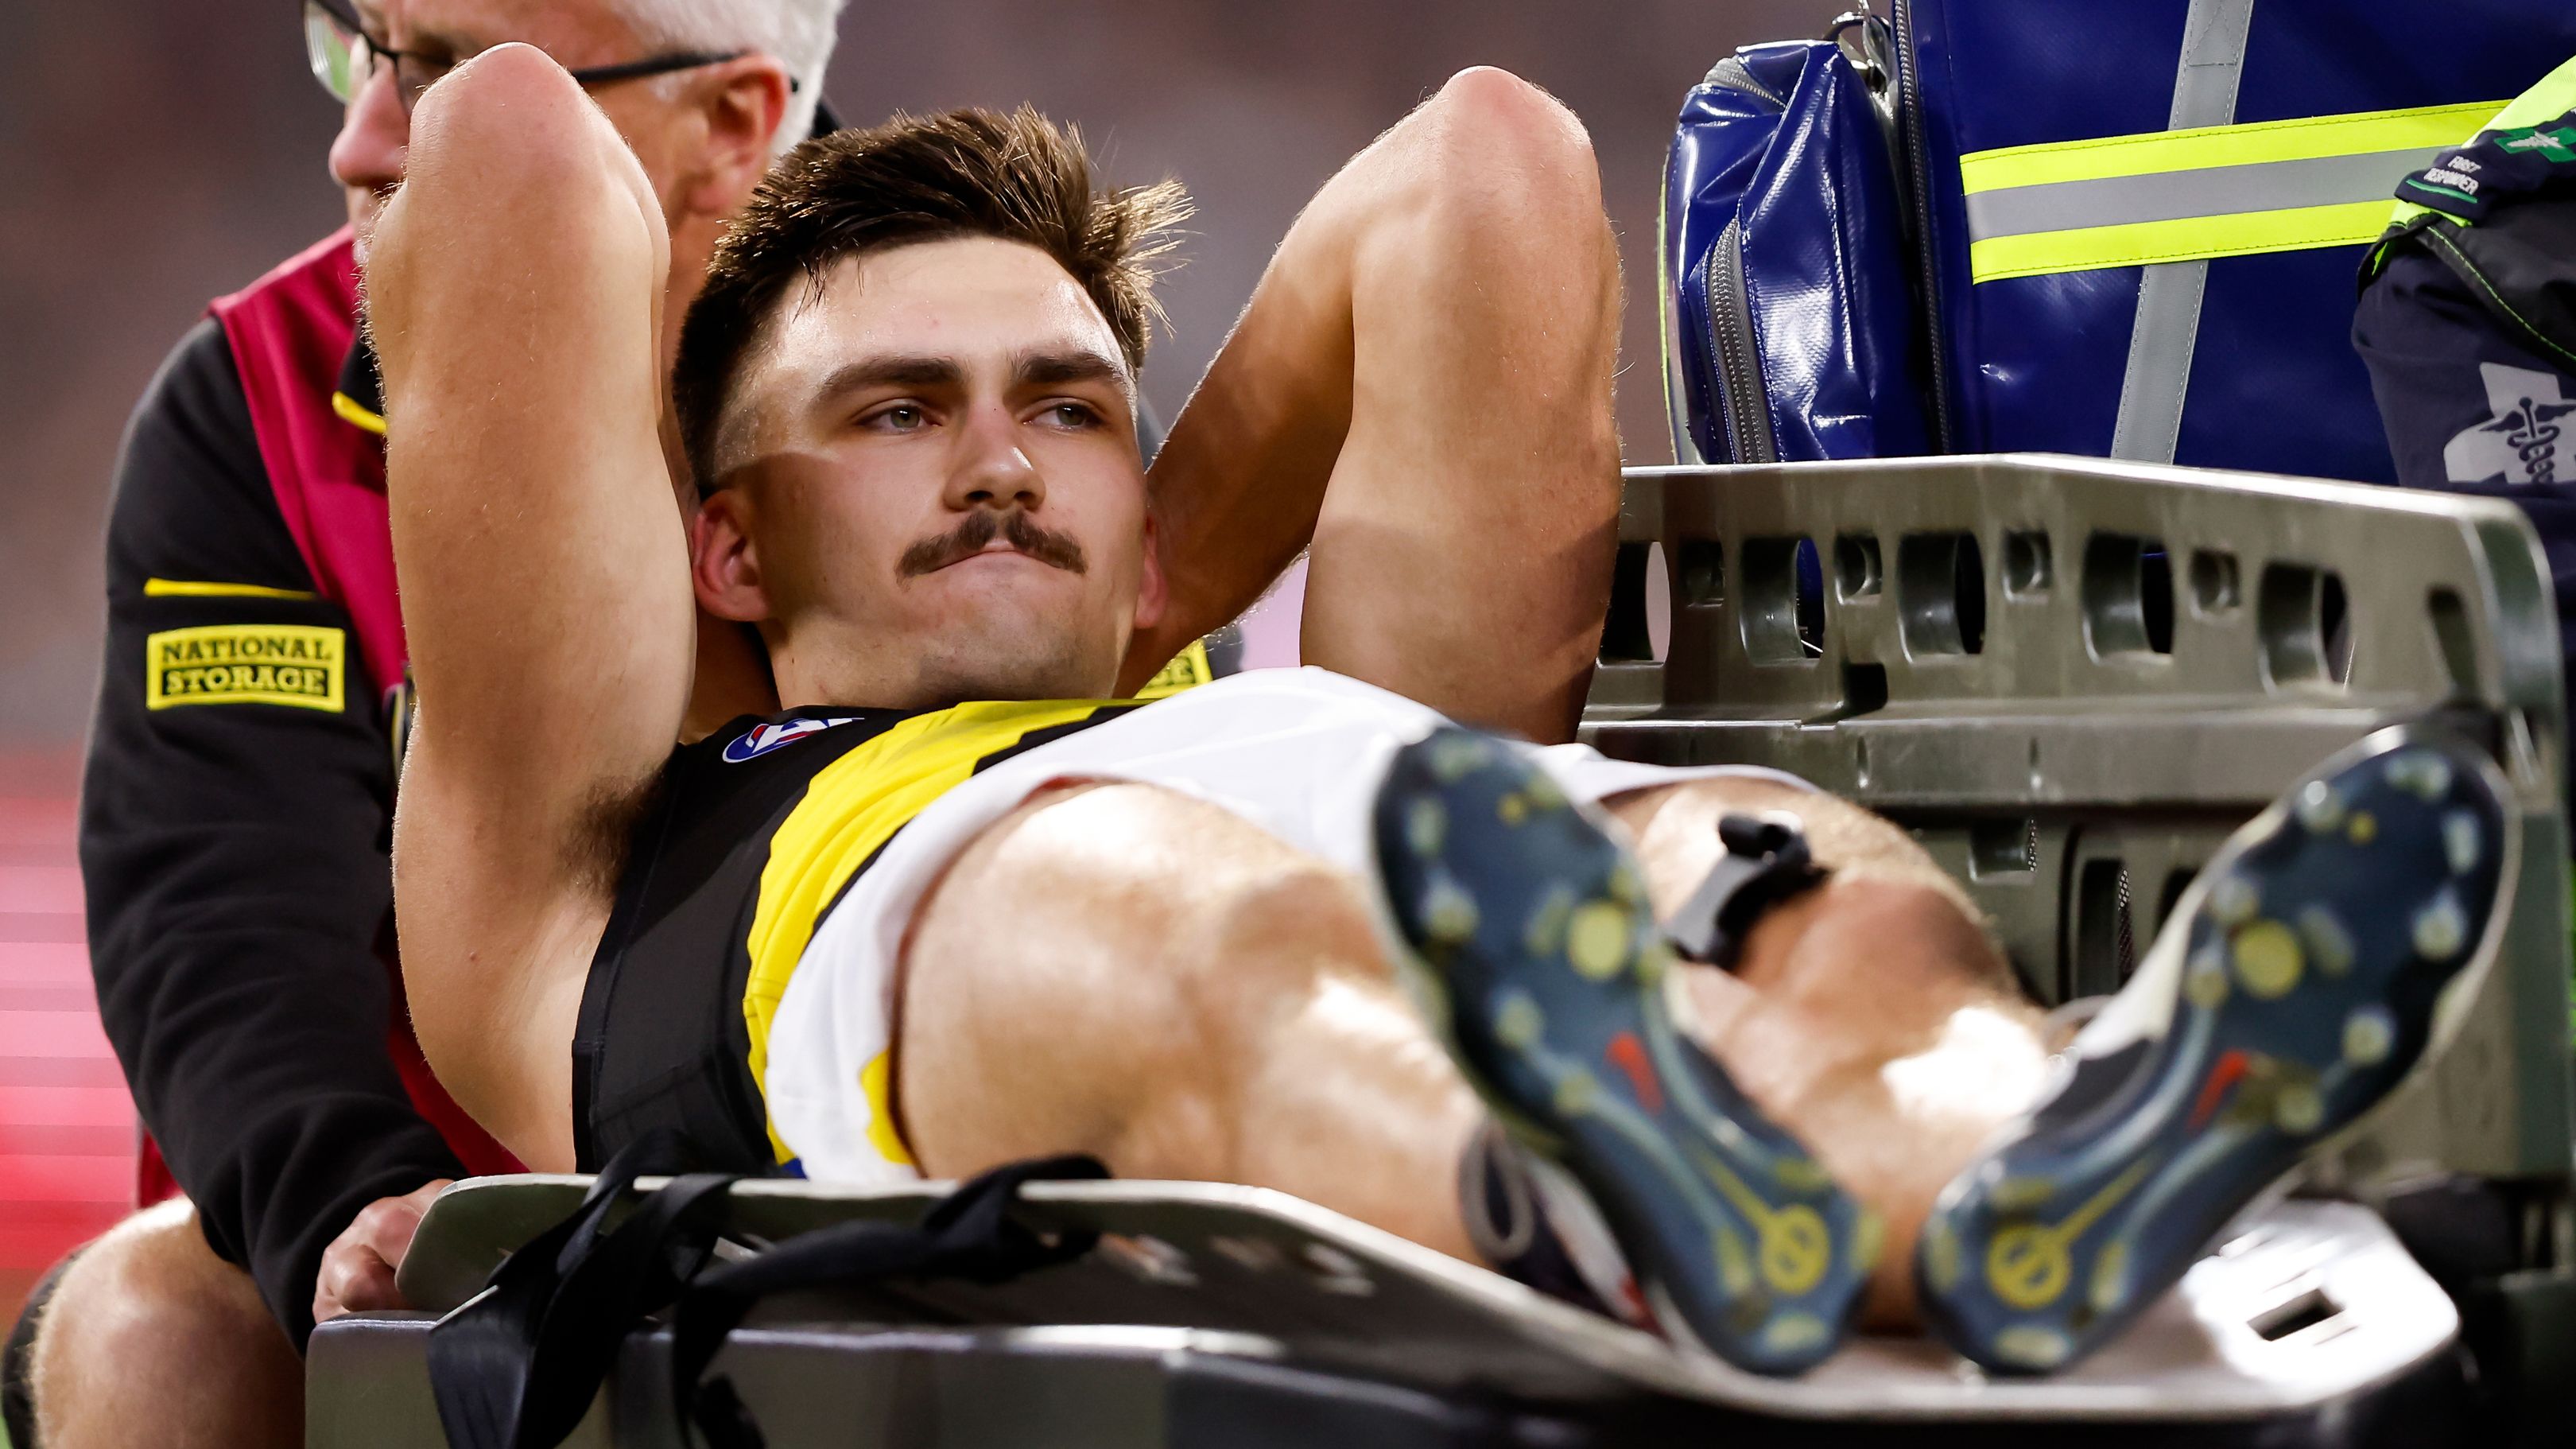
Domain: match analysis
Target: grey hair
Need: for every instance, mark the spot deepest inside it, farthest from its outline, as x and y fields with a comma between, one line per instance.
x=797, y=33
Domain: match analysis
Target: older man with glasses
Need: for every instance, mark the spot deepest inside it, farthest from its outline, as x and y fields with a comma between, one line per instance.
x=241, y=775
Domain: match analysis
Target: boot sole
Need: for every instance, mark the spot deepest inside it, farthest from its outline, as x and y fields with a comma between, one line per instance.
x=2323, y=943
x=1527, y=936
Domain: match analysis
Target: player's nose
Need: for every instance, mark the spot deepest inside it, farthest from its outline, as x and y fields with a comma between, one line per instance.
x=375, y=134
x=991, y=469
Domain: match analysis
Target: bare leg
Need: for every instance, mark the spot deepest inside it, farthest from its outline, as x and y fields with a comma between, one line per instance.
x=1210, y=1004
x=151, y=1339
x=1422, y=387
x=1871, y=1017
x=1125, y=971
x=1128, y=972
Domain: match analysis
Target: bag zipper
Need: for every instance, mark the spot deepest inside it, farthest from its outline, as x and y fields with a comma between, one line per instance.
x=1917, y=176
x=1734, y=75
x=1749, y=435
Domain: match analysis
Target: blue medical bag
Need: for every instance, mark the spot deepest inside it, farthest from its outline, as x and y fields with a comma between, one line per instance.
x=2128, y=230
x=1792, y=324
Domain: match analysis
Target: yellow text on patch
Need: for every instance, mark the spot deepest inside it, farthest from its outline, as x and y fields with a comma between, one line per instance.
x=291, y=664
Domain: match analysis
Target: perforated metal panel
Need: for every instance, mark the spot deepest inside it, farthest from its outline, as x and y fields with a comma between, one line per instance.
x=2071, y=678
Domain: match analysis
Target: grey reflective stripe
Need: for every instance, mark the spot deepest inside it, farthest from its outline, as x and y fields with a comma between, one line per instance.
x=2180, y=195
x=2161, y=341
x=2213, y=61
x=2158, y=373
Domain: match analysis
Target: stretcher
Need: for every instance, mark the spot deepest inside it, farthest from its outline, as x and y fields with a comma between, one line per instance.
x=2070, y=679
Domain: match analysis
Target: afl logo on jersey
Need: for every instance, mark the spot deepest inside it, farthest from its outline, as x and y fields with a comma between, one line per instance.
x=761, y=739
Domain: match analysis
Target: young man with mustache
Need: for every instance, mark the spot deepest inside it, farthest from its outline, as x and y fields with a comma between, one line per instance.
x=960, y=905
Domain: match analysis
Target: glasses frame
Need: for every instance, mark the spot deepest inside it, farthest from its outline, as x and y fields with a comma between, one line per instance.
x=346, y=22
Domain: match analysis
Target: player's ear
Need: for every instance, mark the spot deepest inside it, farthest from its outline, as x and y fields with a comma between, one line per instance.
x=724, y=567
x=1153, y=592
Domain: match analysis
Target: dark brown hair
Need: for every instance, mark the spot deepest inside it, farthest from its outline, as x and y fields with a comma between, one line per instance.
x=1020, y=177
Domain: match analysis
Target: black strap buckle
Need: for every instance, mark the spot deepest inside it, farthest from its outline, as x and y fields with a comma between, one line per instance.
x=1767, y=861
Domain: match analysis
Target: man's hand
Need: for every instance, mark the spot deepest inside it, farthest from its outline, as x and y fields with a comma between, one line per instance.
x=358, y=1268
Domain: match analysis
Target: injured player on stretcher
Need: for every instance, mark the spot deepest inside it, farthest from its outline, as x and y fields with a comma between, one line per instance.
x=960, y=905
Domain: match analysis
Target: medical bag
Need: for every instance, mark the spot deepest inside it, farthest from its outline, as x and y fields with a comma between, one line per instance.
x=2468, y=322
x=2127, y=230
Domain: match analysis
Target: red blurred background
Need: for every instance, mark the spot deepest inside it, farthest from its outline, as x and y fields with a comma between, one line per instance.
x=155, y=153
x=66, y=1127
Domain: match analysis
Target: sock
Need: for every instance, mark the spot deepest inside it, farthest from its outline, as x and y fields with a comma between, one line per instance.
x=1533, y=1224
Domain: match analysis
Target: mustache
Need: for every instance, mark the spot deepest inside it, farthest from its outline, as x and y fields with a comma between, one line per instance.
x=981, y=528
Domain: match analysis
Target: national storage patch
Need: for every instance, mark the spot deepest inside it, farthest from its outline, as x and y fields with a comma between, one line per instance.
x=292, y=664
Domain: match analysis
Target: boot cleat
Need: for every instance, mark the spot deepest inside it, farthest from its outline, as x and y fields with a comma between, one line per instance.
x=1527, y=934
x=2296, y=984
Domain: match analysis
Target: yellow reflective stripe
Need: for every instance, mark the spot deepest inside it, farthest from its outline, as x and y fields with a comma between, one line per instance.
x=350, y=412
x=850, y=809
x=1188, y=670
x=2187, y=239
x=2306, y=138
x=199, y=589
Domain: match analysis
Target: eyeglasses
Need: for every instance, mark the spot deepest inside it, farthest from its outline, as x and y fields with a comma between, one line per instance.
x=344, y=58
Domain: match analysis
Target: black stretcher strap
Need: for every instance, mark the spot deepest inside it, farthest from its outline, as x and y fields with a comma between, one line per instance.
x=969, y=1235
x=1766, y=862
x=518, y=1365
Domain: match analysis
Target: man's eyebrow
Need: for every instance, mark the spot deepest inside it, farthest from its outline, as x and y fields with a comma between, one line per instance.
x=1052, y=366
x=890, y=370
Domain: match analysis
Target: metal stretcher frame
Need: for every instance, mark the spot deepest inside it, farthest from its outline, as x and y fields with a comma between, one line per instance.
x=2073, y=677
x=2070, y=679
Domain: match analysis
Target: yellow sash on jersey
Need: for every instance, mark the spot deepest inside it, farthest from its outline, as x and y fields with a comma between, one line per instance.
x=851, y=809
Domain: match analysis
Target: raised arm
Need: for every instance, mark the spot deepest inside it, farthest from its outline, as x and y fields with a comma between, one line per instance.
x=513, y=286
x=1420, y=389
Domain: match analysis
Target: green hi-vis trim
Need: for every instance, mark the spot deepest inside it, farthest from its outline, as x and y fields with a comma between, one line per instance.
x=2528, y=119
x=2214, y=191
x=2543, y=104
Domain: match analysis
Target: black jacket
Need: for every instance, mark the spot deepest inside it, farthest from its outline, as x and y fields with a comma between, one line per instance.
x=235, y=816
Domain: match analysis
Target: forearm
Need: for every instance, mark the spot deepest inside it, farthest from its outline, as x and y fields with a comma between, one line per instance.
x=1239, y=486
x=514, y=286
x=1240, y=481
x=1454, y=297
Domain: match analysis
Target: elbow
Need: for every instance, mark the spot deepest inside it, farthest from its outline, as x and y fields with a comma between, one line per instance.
x=1494, y=138
x=1490, y=172
x=507, y=118
x=516, y=188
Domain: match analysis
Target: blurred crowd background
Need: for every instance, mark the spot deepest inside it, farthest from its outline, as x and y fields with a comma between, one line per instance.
x=155, y=153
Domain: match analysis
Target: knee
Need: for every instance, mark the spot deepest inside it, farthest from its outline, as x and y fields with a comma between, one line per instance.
x=152, y=1293
x=1920, y=939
